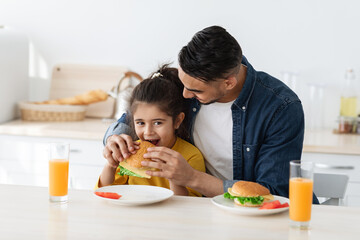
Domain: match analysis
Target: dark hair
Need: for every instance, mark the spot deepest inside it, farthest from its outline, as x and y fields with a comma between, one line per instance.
x=164, y=89
x=211, y=54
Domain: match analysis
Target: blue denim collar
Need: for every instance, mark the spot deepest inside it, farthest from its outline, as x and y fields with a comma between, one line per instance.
x=242, y=100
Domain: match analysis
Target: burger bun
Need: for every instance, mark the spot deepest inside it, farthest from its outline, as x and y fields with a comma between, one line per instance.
x=249, y=189
x=133, y=163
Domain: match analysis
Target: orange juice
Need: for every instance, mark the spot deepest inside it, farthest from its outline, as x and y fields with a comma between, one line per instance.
x=301, y=193
x=58, y=177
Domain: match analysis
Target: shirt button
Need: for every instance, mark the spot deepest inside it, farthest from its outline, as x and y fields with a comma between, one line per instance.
x=243, y=108
x=248, y=149
x=194, y=109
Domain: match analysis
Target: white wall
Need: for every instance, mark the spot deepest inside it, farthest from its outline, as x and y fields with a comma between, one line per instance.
x=318, y=39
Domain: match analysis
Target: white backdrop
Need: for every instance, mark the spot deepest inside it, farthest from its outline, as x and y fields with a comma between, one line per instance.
x=317, y=39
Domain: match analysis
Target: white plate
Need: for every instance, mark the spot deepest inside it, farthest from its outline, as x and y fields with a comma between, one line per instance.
x=136, y=194
x=229, y=205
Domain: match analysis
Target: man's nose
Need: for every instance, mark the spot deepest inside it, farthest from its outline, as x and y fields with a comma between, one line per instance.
x=188, y=94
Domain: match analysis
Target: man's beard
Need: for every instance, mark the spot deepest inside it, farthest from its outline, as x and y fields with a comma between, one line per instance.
x=214, y=100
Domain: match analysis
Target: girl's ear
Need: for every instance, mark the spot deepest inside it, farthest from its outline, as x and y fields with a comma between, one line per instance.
x=179, y=120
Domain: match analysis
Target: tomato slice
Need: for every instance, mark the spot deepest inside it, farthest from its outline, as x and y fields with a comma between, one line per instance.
x=271, y=205
x=284, y=205
x=108, y=195
x=112, y=195
x=100, y=194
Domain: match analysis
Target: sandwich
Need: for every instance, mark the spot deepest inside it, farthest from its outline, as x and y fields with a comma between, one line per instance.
x=132, y=165
x=248, y=194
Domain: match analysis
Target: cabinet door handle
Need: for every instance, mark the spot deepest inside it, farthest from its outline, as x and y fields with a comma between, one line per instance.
x=75, y=151
x=321, y=165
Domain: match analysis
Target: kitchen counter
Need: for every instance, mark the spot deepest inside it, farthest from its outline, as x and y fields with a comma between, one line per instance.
x=27, y=214
x=89, y=129
x=321, y=141
x=325, y=141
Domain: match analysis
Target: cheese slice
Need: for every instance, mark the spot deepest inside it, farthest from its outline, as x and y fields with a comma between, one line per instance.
x=268, y=197
x=139, y=171
x=231, y=192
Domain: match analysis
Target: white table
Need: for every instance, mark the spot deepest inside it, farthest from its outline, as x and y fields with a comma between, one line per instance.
x=26, y=213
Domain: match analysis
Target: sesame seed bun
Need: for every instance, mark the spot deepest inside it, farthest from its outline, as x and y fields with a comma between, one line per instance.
x=249, y=189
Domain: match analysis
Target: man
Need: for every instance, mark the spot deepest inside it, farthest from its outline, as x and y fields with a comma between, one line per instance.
x=247, y=124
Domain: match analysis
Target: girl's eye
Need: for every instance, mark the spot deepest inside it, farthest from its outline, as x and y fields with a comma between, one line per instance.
x=157, y=123
x=139, y=123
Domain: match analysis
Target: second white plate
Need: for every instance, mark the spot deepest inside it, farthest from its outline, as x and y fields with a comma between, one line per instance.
x=136, y=194
x=229, y=205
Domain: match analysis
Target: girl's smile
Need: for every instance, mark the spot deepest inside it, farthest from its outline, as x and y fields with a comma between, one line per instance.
x=153, y=125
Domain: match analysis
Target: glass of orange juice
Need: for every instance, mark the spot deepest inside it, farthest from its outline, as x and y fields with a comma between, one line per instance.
x=301, y=193
x=58, y=172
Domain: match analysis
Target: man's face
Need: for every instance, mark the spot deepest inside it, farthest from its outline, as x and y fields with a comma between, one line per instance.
x=205, y=93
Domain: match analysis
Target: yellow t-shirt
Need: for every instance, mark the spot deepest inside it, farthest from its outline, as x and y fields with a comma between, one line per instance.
x=191, y=154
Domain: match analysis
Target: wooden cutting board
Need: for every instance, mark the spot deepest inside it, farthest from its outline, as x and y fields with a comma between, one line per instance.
x=71, y=79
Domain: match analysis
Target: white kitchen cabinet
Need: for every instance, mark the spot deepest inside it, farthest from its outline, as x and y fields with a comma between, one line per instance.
x=24, y=161
x=341, y=164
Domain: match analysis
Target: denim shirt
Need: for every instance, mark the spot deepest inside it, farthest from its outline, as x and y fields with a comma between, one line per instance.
x=268, y=131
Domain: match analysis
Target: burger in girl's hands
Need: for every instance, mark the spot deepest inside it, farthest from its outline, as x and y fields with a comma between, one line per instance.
x=248, y=194
x=132, y=165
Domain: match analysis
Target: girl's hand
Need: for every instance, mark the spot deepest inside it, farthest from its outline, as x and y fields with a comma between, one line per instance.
x=171, y=164
x=118, y=148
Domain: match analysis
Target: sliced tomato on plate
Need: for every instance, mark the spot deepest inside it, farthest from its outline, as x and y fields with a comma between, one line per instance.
x=108, y=195
x=284, y=205
x=100, y=194
x=271, y=205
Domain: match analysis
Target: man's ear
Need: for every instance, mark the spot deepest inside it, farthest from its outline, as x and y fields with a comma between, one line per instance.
x=179, y=119
x=230, y=82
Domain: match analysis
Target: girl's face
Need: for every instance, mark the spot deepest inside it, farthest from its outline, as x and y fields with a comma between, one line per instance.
x=153, y=125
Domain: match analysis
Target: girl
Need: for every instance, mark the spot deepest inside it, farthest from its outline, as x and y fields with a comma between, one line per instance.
x=157, y=114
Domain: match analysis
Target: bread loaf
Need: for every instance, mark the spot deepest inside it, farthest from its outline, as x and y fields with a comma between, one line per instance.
x=89, y=97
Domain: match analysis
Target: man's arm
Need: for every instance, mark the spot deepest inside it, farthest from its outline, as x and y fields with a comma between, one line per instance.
x=117, y=128
x=283, y=142
x=206, y=184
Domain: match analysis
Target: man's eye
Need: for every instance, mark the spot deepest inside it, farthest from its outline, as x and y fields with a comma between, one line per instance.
x=157, y=123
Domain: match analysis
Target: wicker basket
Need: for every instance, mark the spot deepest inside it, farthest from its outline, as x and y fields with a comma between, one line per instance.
x=44, y=112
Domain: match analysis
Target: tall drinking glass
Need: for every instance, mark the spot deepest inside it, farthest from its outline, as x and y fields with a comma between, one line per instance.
x=301, y=193
x=58, y=172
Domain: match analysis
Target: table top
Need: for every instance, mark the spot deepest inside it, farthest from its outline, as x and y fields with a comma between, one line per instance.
x=317, y=141
x=26, y=213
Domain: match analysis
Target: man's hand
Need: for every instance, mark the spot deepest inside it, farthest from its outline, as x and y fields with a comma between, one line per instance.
x=118, y=148
x=171, y=164
x=175, y=168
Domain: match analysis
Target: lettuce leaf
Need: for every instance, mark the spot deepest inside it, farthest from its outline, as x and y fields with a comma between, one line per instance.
x=243, y=200
x=124, y=171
